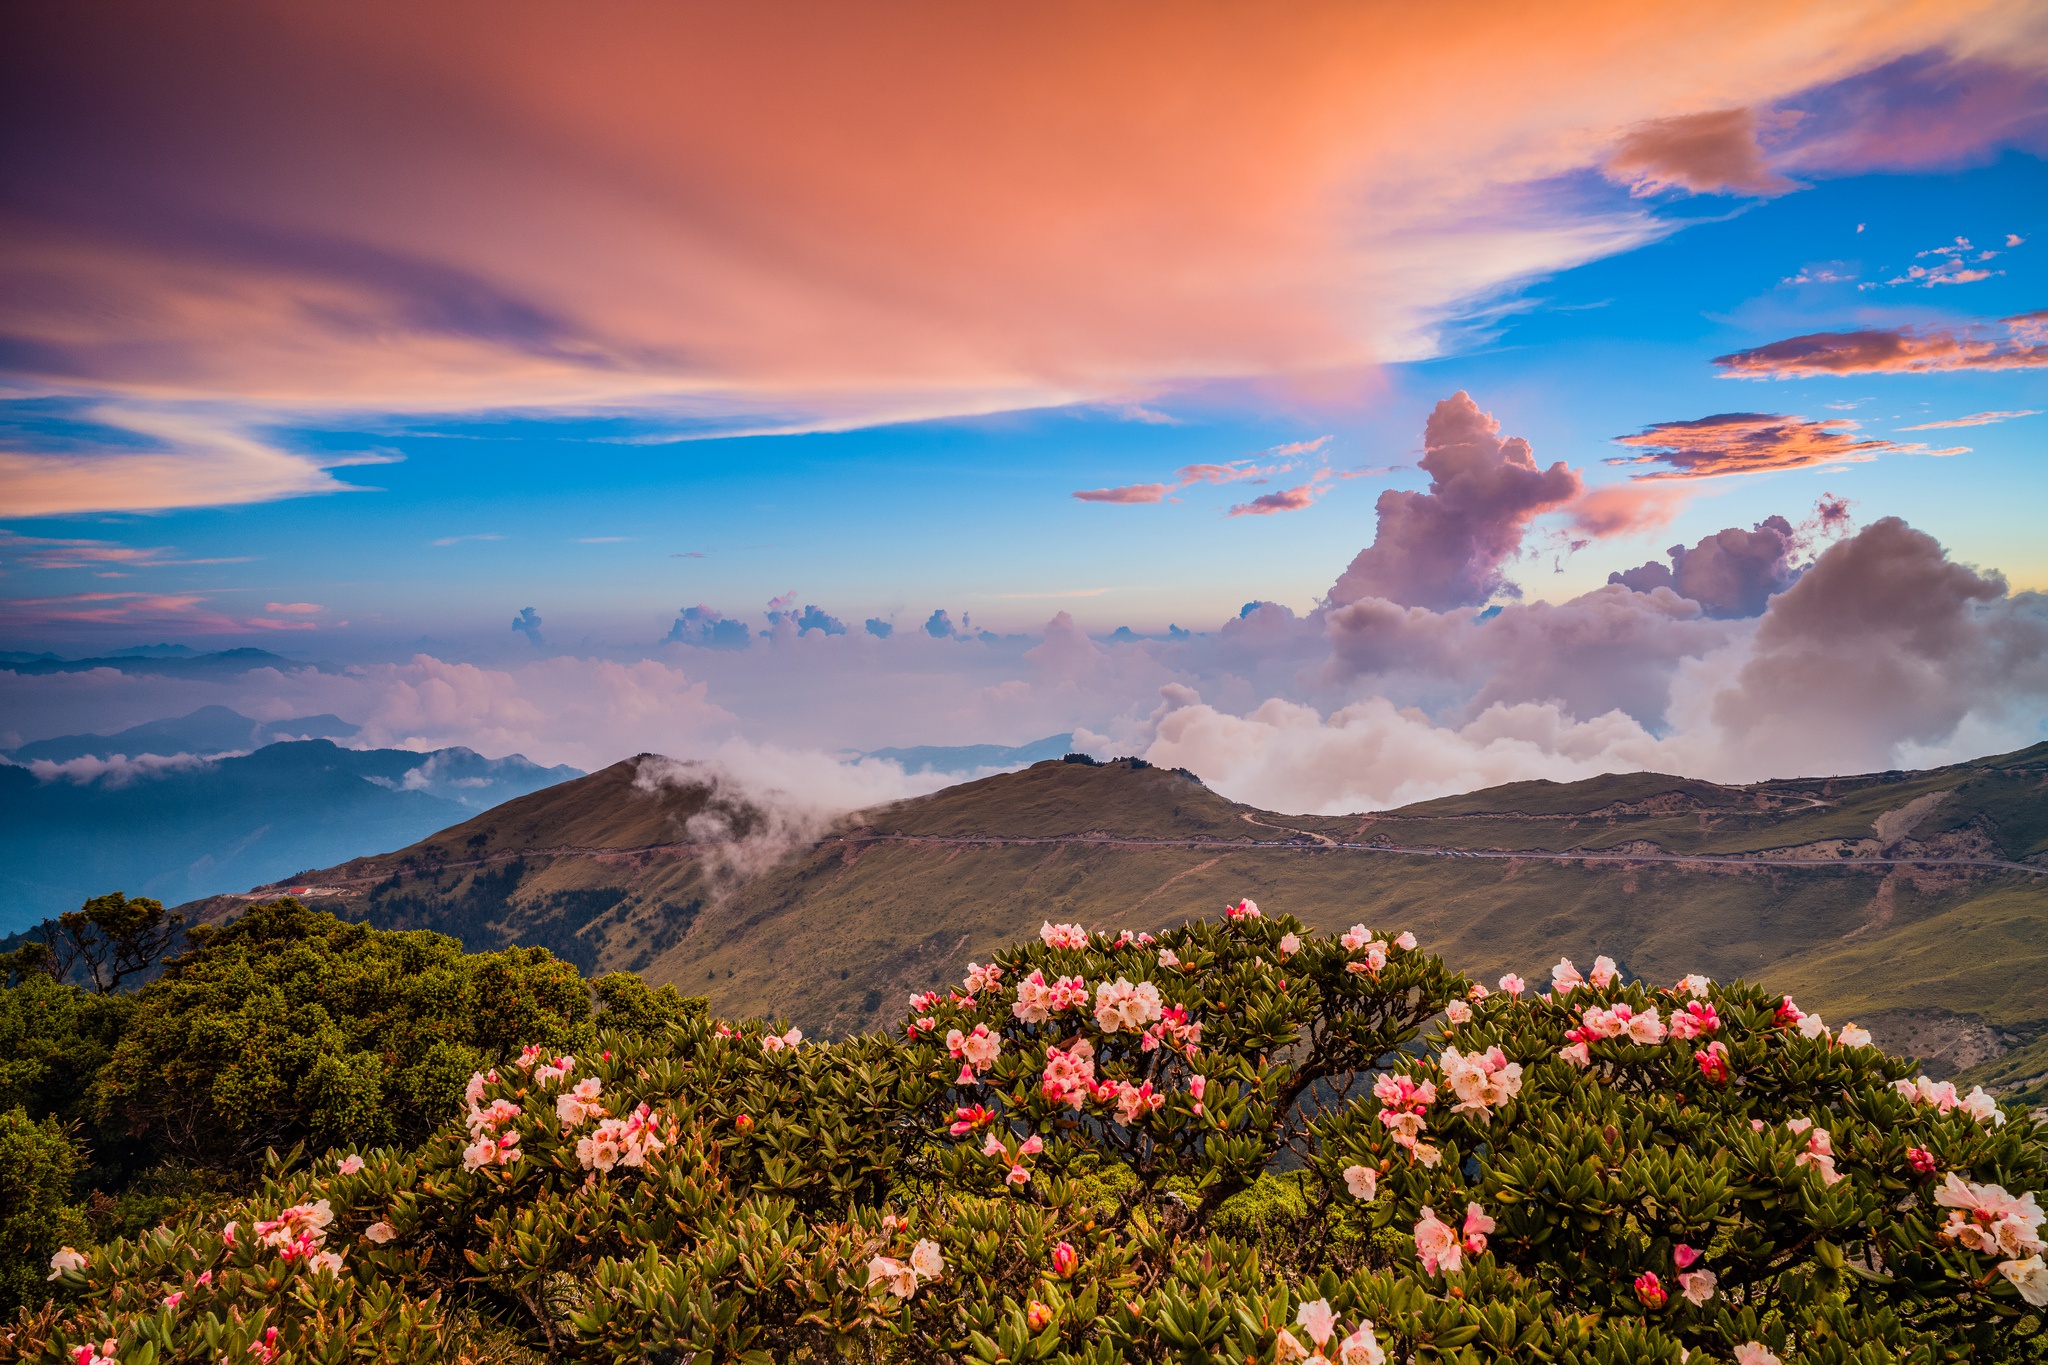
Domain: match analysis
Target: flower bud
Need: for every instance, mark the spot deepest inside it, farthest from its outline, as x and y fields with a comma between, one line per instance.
x=1650, y=1290
x=1038, y=1316
x=1064, y=1259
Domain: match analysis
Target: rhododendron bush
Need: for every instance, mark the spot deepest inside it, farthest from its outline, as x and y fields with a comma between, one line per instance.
x=1239, y=1140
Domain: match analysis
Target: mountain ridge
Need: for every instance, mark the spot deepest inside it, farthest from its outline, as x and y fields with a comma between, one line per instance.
x=669, y=870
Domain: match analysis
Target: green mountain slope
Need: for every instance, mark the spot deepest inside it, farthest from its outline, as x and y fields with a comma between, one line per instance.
x=1906, y=900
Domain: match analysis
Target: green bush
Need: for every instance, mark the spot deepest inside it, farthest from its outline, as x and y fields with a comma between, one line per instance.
x=37, y=1164
x=287, y=1025
x=1072, y=1158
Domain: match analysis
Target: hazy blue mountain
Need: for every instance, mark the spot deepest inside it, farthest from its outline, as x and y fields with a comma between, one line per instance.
x=205, y=827
x=226, y=661
x=967, y=758
x=209, y=730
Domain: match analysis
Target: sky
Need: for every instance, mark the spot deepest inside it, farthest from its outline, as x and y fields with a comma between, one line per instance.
x=671, y=376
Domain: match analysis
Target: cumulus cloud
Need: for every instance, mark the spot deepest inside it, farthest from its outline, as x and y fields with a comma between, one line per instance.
x=939, y=625
x=527, y=623
x=2019, y=342
x=1447, y=547
x=1715, y=152
x=1755, y=443
x=1731, y=573
x=1884, y=641
x=708, y=628
x=1623, y=509
x=879, y=628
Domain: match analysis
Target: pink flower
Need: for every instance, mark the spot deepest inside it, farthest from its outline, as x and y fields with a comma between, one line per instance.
x=1476, y=992
x=350, y=1164
x=978, y=1048
x=1134, y=1102
x=894, y=1276
x=1031, y=1146
x=1064, y=1259
x=1069, y=1075
x=1604, y=973
x=1168, y=958
x=380, y=1232
x=1787, y=1014
x=1482, y=1081
x=1578, y=1054
x=1477, y=1225
x=1063, y=935
x=1290, y=944
x=1363, y=1182
x=1565, y=978
x=172, y=1300
x=1513, y=985
x=67, y=1258
x=325, y=1262
x=980, y=978
x=1317, y=1320
x=1244, y=909
x=1684, y=1255
x=1458, y=1012
x=1436, y=1244
x=1851, y=1035
x=1695, y=986
x=1650, y=1289
x=1406, y=942
x=1753, y=1353
x=1713, y=1063
x=1921, y=1160
x=1810, y=1026
x=1819, y=1153
x=1017, y=1176
x=1697, y=1286
x=1694, y=1021
x=993, y=1146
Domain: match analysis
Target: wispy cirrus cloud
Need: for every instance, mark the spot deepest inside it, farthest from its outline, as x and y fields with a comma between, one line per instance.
x=1285, y=458
x=1975, y=419
x=194, y=461
x=445, y=541
x=2019, y=342
x=1755, y=443
x=43, y=552
x=180, y=613
x=617, y=240
x=1292, y=499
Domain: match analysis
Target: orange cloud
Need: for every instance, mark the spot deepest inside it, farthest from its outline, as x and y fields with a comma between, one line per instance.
x=1896, y=350
x=175, y=611
x=1711, y=153
x=1754, y=443
x=778, y=219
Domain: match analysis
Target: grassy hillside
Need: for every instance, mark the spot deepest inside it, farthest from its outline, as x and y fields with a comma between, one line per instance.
x=688, y=885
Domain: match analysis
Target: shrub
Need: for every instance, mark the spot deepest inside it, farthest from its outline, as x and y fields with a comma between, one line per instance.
x=1074, y=1157
x=36, y=1217
x=287, y=1025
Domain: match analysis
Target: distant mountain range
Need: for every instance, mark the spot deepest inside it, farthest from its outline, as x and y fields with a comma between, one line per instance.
x=1886, y=898
x=209, y=730
x=177, y=828
x=172, y=660
x=974, y=758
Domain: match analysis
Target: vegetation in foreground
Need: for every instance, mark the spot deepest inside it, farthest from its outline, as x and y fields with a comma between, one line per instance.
x=1235, y=1141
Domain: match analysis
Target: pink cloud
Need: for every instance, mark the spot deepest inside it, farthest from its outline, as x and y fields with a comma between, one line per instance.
x=1135, y=492
x=1707, y=153
x=1897, y=350
x=1975, y=419
x=1621, y=509
x=1731, y=573
x=171, y=611
x=945, y=213
x=1756, y=443
x=1286, y=500
x=1925, y=111
x=1447, y=547
x=294, y=608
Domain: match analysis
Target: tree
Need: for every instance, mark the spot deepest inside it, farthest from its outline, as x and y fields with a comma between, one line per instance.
x=111, y=936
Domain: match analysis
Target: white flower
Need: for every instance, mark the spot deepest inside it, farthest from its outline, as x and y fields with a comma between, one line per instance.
x=926, y=1260
x=1981, y=1107
x=1853, y=1035
x=1362, y=1347
x=2030, y=1277
x=1362, y=1181
x=66, y=1259
x=898, y=1278
x=380, y=1232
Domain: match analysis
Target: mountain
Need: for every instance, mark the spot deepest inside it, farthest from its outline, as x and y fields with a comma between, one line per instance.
x=183, y=828
x=972, y=758
x=209, y=730
x=1915, y=901
x=188, y=665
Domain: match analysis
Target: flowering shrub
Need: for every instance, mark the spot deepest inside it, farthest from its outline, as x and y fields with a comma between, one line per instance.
x=1235, y=1141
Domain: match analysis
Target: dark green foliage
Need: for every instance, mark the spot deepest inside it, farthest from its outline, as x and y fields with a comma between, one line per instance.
x=288, y=1025
x=37, y=1163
